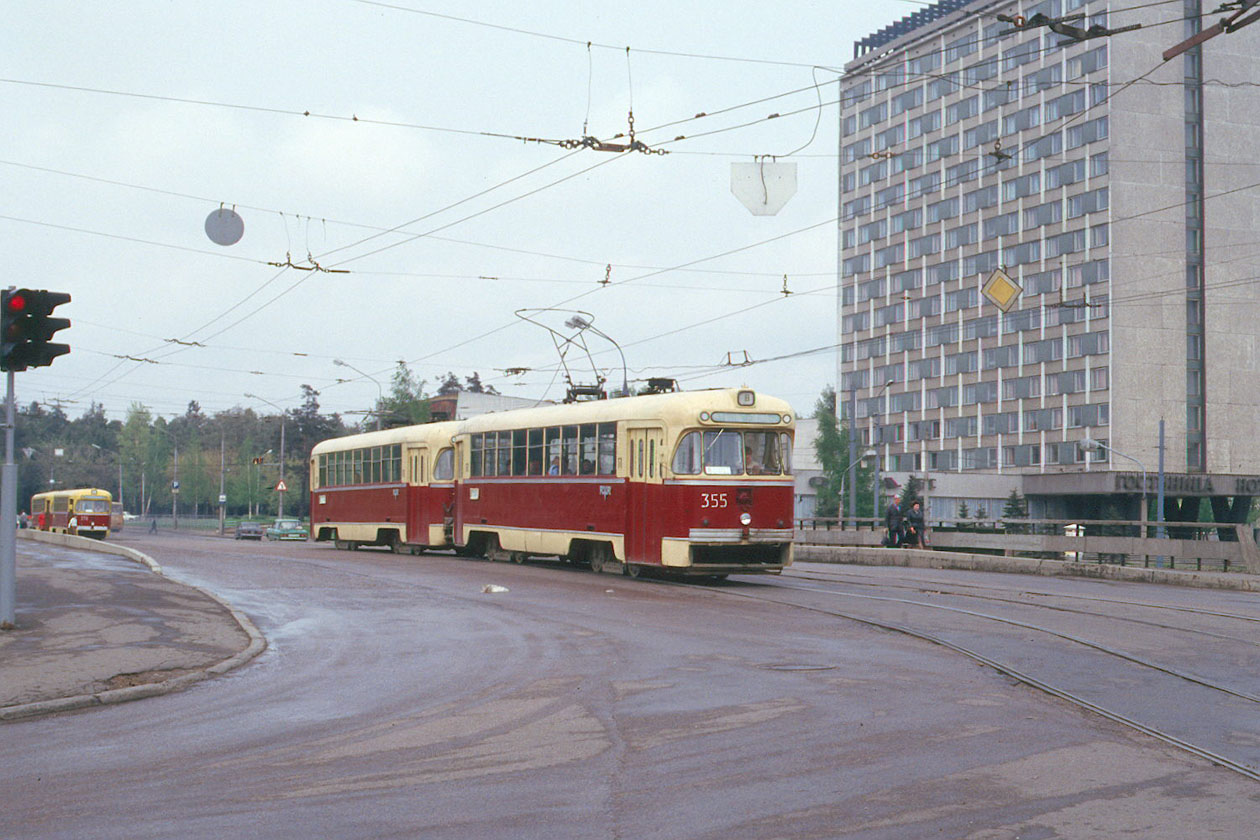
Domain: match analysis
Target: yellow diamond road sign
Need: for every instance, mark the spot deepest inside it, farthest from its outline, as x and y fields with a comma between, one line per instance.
x=1001, y=290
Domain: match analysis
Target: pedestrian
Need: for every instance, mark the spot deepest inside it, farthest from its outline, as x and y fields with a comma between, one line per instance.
x=24, y=521
x=915, y=536
x=894, y=520
x=153, y=526
x=39, y=521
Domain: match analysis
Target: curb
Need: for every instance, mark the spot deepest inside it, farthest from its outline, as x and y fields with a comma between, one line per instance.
x=257, y=642
x=927, y=559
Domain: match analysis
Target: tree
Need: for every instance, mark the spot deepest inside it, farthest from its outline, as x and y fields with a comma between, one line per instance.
x=910, y=492
x=473, y=385
x=832, y=448
x=1016, y=506
x=450, y=384
x=964, y=512
x=406, y=403
x=136, y=447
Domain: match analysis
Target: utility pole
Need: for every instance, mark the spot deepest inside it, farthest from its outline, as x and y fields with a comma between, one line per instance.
x=852, y=430
x=8, y=523
x=222, y=472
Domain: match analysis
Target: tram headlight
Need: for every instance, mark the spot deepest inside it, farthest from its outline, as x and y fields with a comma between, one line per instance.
x=745, y=519
x=787, y=418
x=704, y=417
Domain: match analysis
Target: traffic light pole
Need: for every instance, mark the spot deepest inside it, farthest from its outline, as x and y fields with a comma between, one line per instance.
x=8, y=519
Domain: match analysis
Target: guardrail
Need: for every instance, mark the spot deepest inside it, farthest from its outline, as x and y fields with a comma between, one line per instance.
x=1187, y=545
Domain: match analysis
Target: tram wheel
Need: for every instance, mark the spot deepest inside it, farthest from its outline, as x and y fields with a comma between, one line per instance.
x=341, y=545
x=633, y=570
x=597, y=558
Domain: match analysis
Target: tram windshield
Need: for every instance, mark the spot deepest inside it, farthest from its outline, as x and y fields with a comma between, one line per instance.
x=733, y=452
x=92, y=505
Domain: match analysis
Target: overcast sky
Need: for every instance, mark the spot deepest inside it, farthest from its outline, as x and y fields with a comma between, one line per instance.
x=128, y=123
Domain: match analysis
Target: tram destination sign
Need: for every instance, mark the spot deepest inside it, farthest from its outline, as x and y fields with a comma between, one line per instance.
x=1181, y=484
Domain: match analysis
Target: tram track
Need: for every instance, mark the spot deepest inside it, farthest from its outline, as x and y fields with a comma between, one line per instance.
x=939, y=588
x=1046, y=685
x=935, y=585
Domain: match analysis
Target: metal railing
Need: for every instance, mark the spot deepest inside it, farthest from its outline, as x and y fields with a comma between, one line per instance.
x=1210, y=546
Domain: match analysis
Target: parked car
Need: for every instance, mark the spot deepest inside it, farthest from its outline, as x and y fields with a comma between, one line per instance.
x=249, y=531
x=286, y=529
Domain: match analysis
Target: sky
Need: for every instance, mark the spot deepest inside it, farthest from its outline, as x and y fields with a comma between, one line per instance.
x=378, y=143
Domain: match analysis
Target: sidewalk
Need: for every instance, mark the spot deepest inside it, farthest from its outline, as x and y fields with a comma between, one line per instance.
x=94, y=629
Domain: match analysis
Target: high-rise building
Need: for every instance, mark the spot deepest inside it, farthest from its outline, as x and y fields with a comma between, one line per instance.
x=1119, y=196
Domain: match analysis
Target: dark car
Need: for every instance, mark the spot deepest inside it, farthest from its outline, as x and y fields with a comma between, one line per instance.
x=249, y=531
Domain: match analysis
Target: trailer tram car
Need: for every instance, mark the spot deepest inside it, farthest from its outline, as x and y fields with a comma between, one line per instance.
x=695, y=483
x=392, y=488
x=84, y=512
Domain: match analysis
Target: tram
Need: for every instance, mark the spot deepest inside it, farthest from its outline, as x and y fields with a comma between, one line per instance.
x=685, y=483
x=84, y=512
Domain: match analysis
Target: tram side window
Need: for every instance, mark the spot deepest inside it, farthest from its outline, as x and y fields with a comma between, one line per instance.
x=505, y=454
x=374, y=472
x=323, y=470
x=444, y=466
x=60, y=504
x=520, y=452
x=589, y=449
x=607, y=448
x=553, y=450
x=475, y=449
x=570, y=457
x=358, y=466
x=687, y=456
x=537, y=455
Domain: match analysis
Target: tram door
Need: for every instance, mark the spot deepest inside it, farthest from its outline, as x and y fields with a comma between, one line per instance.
x=645, y=515
x=418, y=513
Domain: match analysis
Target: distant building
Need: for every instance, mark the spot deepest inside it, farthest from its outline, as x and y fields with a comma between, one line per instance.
x=806, y=470
x=464, y=404
x=1111, y=188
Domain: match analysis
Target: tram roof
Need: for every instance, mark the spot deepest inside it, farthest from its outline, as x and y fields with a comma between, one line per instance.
x=672, y=409
x=76, y=492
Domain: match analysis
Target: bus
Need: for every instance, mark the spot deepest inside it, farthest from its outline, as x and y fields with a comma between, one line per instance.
x=682, y=483
x=84, y=512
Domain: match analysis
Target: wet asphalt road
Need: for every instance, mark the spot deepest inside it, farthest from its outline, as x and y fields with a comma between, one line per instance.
x=399, y=700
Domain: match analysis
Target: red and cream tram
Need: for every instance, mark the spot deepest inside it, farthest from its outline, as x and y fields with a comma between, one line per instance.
x=84, y=512
x=687, y=483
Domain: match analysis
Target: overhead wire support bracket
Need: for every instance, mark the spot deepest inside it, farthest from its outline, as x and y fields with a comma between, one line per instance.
x=1223, y=26
x=1062, y=26
x=314, y=266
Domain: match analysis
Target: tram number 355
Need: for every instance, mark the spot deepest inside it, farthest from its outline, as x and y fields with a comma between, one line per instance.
x=714, y=500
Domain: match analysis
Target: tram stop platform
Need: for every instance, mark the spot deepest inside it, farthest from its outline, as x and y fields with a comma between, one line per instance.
x=98, y=623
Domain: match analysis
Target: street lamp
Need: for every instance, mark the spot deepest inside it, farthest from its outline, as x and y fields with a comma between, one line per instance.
x=1092, y=445
x=280, y=506
x=120, y=468
x=577, y=322
x=380, y=394
x=875, y=443
x=850, y=479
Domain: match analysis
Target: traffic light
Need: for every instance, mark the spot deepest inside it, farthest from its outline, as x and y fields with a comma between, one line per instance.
x=28, y=328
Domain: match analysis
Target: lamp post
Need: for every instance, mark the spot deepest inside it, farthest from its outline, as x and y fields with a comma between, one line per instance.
x=120, y=467
x=380, y=393
x=850, y=478
x=577, y=322
x=875, y=443
x=280, y=506
x=1090, y=444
